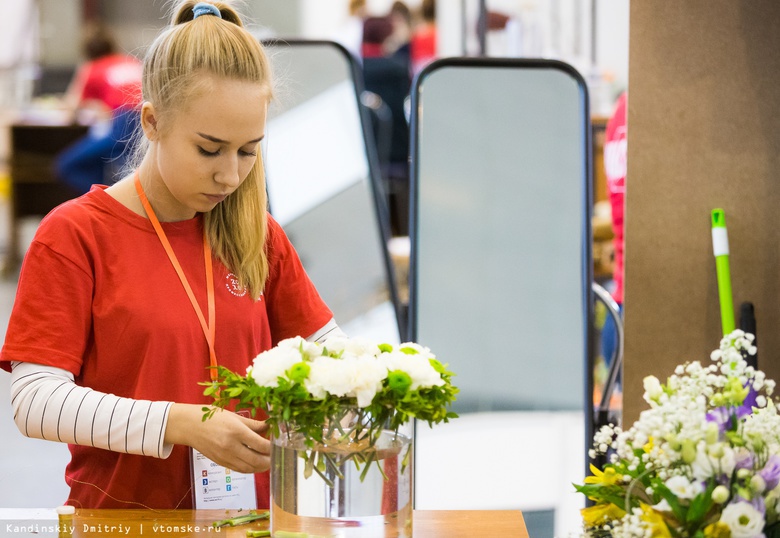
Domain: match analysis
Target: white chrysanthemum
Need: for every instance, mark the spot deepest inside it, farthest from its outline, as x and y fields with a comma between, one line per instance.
x=743, y=520
x=302, y=346
x=270, y=365
x=418, y=367
x=683, y=488
x=420, y=350
x=350, y=376
x=354, y=346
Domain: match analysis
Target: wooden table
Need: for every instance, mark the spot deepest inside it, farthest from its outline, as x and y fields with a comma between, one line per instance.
x=186, y=523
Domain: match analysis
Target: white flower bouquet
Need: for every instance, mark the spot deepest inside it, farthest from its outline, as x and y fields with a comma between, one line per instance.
x=339, y=396
x=702, y=462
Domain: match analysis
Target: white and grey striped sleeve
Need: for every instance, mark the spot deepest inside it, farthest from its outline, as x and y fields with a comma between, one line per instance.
x=328, y=330
x=48, y=404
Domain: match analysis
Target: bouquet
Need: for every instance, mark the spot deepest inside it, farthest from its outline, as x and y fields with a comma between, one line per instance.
x=703, y=461
x=335, y=399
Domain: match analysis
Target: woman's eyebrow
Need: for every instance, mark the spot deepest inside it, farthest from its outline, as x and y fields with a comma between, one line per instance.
x=220, y=141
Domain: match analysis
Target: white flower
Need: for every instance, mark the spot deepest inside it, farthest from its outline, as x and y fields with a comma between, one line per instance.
x=328, y=376
x=358, y=377
x=653, y=389
x=720, y=494
x=743, y=520
x=418, y=366
x=683, y=488
x=420, y=350
x=270, y=365
x=757, y=484
x=713, y=460
x=353, y=346
x=301, y=346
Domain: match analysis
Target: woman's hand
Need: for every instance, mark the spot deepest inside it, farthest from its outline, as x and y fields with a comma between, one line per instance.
x=226, y=438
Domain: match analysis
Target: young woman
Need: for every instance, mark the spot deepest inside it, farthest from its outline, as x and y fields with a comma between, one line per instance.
x=129, y=293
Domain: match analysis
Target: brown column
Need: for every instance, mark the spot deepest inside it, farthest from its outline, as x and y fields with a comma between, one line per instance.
x=703, y=132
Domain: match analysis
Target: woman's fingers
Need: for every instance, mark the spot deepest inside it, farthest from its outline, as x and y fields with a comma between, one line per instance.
x=245, y=450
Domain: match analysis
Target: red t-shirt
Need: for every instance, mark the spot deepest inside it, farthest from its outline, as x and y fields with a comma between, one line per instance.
x=115, y=80
x=99, y=297
x=615, y=148
x=422, y=47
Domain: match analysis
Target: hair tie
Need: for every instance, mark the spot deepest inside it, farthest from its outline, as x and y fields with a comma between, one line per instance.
x=204, y=8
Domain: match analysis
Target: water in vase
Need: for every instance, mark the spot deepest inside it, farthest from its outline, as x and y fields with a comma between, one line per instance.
x=321, y=493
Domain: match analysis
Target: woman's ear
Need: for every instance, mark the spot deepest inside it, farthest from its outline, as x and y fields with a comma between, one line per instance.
x=149, y=121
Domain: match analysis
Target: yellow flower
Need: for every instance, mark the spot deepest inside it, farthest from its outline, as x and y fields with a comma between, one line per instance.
x=599, y=514
x=649, y=445
x=717, y=530
x=608, y=478
x=655, y=522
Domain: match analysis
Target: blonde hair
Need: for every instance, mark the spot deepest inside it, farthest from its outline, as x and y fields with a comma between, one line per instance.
x=173, y=72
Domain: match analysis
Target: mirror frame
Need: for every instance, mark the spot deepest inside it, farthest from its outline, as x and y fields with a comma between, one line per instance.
x=381, y=210
x=586, y=269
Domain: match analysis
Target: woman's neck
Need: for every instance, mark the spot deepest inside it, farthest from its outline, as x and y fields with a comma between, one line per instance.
x=164, y=205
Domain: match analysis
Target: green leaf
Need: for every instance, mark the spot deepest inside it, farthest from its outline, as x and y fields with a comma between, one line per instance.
x=679, y=511
x=700, y=506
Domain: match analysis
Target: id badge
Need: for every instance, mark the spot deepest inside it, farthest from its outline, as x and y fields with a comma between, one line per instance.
x=214, y=486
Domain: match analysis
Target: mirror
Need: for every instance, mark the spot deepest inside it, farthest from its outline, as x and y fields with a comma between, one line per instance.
x=320, y=173
x=500, y=284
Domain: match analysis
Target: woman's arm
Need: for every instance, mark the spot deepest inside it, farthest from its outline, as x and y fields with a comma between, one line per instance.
x=48, y=404
x=328, y=330
x=227, y=438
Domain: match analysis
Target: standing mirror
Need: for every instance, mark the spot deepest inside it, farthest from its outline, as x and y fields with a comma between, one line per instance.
x=322, y=186
x=500, y=284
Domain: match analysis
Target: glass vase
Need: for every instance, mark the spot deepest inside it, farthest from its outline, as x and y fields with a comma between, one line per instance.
x=357, y=483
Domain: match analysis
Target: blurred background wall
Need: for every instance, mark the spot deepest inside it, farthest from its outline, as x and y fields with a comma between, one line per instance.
x=42, y=47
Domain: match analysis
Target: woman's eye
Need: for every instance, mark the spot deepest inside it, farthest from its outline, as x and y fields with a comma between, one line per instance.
x=245, y=153
x=207, y=153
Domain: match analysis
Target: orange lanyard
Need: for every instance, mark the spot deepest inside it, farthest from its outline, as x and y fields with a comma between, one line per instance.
x=209, y=329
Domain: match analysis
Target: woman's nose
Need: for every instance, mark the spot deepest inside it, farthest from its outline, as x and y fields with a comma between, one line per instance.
x=227, y=174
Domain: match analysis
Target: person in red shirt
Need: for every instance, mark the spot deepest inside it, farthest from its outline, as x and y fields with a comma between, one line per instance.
x=422, y=46
x=615, y=152
x=108, y=79
x=106, y=93
x=129, y=293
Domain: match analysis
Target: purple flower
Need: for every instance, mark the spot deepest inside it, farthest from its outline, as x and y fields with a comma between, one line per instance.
x=750, y=402
x=756, y=502
x=744, y=460
x=726, y=417
x=722, y=416
x=771, y=472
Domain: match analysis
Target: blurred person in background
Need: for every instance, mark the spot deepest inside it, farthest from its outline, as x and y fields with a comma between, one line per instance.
x=615, y=165
x=423, y=43
x=105, y=93
x=108, y=80
x=398, y=44
x=386, y=75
